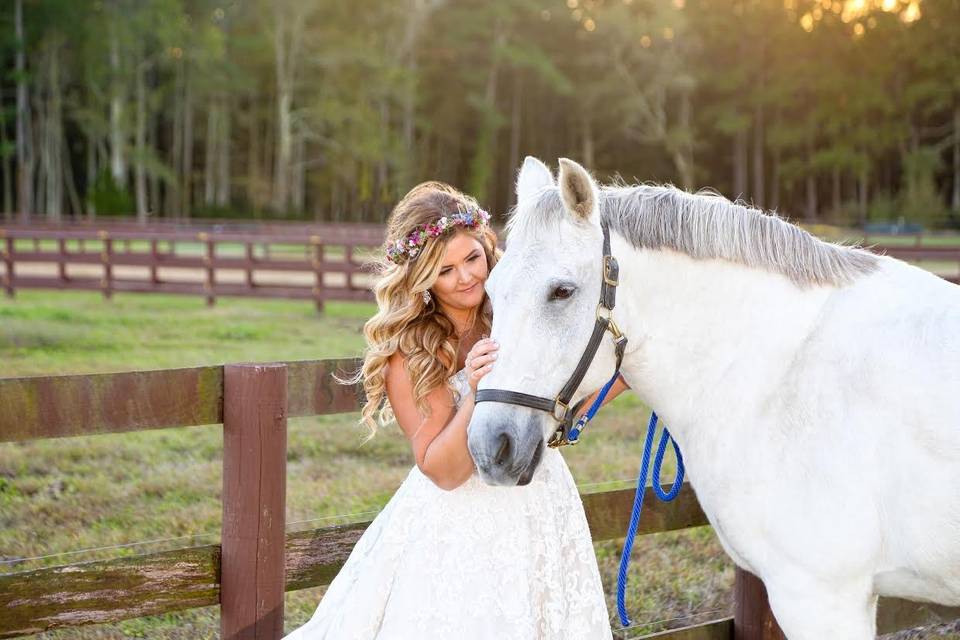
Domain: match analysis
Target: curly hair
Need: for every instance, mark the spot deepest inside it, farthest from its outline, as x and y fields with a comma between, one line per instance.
x=404, y=323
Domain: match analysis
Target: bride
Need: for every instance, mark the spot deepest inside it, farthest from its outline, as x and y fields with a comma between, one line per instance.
x=449, y=556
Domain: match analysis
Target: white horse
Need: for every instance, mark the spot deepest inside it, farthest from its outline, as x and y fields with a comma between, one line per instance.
x=814, y=389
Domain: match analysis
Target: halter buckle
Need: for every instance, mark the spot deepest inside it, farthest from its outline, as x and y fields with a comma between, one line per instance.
x=613, y=328
x=558, y=439
x=563, y=408
x=608, y=317
x=611, y=271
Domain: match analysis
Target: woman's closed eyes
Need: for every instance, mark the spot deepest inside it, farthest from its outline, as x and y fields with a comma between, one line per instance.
x=474, y=256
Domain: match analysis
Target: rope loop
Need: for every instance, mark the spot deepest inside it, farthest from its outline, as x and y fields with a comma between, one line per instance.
x=674, y=491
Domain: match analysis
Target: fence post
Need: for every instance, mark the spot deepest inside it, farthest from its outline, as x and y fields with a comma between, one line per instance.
x=208, y=254
x=7, y=254
x=317, y=262
x=250, y=264
x=254, y=493
x=62, y=259
x=154, y=261
x=752, y=617
x=106, y=251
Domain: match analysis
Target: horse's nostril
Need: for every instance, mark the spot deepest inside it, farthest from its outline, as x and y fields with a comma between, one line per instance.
x=504, y=450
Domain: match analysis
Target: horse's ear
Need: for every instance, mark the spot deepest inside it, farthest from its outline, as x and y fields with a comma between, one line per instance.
x=578, y=189
x=533, y=176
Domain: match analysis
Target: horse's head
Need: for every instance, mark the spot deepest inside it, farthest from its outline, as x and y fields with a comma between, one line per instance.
x=545, y=290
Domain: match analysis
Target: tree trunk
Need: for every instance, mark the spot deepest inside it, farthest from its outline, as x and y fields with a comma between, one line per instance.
x=266, y=154
x=176, y=144
x=863, y=186
x=186, y=194
x=92, y=168
x=409, y=164
x=482, y=173
x=253, y=155
x=7, y=168
x=955, y=200
x=53, y=136
x=383, y=168
x=281, y=169
x=287, y=34
x=210, y=154
x=759, y=187
x=298, y=173
x=417, y=13
x=141, y=146
x=333, y=213
x=740, y=164
x=223, y=166
x=153, y=179
x=837, y=178
x=516, y=126
x=775, y=168
x=118, y=166
x=71, y=185
x=775, y=180
x=811, y=185
x=24, y=133
x=683, y=147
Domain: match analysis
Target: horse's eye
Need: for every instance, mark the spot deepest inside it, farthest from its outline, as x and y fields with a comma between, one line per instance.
x=561, y=292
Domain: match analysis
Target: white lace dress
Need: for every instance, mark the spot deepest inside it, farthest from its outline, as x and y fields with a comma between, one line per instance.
x=479, y=562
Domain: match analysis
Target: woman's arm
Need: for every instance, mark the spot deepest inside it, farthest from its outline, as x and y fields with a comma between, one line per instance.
x=439, y=442
x=619, y=386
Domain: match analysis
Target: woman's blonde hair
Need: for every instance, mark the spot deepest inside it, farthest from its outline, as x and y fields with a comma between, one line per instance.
x=407, y=324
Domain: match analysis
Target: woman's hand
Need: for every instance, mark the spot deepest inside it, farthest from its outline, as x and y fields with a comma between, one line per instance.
x=479, y=361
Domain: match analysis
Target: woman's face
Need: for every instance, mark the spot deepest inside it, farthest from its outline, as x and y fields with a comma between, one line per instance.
x=463, y=271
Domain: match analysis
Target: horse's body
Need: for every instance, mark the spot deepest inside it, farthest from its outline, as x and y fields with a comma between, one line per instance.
x=813, y=389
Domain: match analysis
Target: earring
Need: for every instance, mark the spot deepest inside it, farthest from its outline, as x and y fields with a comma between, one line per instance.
x=427, y=297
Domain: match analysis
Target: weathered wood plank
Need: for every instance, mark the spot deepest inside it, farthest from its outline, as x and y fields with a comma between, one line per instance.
x=57, y=406
x=112, y=590
x=896, y=615
x=608, y=512
x=314, y=557
x=715, y=630
x=108, y=590
x=67, y=596
x=253, y=542
x=313, y=390
x=753, y=618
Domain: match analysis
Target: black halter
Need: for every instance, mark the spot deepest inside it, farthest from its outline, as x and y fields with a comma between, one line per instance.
x=559, y=407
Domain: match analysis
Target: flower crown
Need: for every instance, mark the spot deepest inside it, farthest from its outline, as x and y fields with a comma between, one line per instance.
x=409, y=247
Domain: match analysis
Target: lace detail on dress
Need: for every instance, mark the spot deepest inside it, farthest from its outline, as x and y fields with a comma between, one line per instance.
x=478, y=562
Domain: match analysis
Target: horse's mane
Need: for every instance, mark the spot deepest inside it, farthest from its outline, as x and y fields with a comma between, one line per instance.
x=706, y=225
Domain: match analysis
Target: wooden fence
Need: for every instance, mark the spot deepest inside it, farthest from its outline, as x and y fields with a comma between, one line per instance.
x=256, y=560
x=316, y=263
x=235, y=258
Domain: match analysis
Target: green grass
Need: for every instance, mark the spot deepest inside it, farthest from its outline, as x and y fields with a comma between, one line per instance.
x=162, y=488
x=79, y=332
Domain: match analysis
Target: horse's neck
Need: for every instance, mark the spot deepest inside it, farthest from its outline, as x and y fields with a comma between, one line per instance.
x=704, y=332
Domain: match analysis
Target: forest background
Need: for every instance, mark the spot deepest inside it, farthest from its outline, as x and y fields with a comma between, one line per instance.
x=842, y=111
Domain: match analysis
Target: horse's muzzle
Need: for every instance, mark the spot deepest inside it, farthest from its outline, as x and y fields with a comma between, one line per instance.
x=504, y=454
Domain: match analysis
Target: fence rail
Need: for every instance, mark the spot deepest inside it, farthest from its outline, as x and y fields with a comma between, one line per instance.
x=247, y=575
x=262, y=260
x=315, y=263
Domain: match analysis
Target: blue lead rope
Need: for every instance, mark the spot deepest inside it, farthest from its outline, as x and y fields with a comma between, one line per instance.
x=574, y=436
x=638, y=502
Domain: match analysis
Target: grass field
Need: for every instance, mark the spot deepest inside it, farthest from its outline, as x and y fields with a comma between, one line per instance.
x=96, y=497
